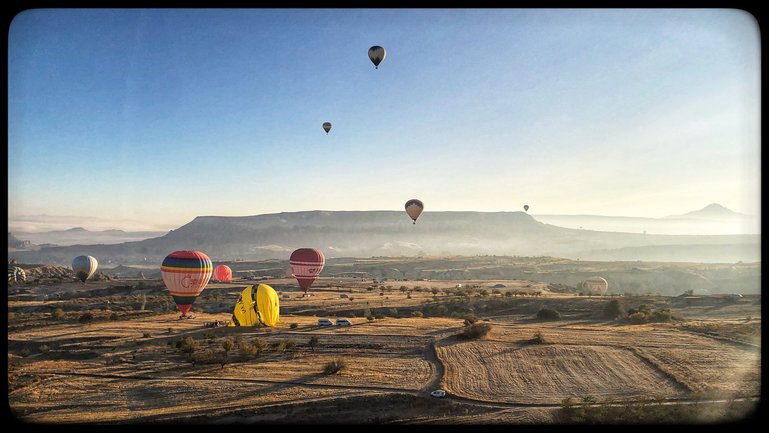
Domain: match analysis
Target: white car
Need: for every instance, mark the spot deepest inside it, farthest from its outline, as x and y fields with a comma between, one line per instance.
x=324, y=322
x=438, y=393
x=343, y=322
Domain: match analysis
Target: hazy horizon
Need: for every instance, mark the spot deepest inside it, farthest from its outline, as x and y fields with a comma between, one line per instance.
x=143, y=119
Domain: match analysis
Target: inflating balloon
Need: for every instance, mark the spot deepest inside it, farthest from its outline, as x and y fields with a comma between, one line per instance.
x=84, y=267
x=256, y=305
x=223, y=273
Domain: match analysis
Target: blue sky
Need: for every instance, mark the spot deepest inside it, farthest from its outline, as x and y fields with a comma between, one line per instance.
x=150, y=117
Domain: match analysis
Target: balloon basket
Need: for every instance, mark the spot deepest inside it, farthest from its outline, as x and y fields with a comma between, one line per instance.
x=187, y=316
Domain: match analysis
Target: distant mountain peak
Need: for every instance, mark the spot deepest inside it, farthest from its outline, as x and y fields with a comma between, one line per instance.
x=713, y=210
x=76, y=229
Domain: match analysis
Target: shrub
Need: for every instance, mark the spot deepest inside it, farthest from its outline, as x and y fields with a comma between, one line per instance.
x=58, y=314
x=613, y=310
x=334, y=367
x=206, y=357
x=475, y=331
x=548, y=314
x=187, y=344
x=470, y=319
x=294, y=325
x=247, y=349
x=382, y=316
x=638, y=317
x=416, y=313
x=538, y=338
x=146, y=335
x=228, y=345
x=370, y=318
x=85, y=317
x=260, y=344
x=663, y=315
x=313, y=342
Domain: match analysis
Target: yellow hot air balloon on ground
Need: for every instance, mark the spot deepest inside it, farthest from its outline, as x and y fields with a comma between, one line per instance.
x=257, y=305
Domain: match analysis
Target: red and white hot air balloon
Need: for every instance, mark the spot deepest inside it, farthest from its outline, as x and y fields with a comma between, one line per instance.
x=223, y=273
x=306, y=264
x=185, y=274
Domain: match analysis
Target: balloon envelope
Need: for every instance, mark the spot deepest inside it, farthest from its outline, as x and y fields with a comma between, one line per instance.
x=185, y=274
x=327, y=127
x=376, y=54
x=306, y=264
x=16, y=275
x=257, y=304
x=223, y=273
x=414, y=208
x=84, y=267
x=597, y=285
x=526, y=207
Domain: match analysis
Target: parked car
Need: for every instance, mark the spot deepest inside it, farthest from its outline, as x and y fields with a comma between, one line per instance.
x=343, y=322
x=286, y=296
x=343, y=296
x=324, y=322
x=438, y=393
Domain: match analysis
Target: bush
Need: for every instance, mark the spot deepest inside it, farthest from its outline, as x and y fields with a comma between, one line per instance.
x=470, y=319
x=207, y=357
x=538, y=338
x=382, y=316
x=247, y=349
x=638, y=317
x=334, y=367
x=613, y=310
x=228, y=345
x=475, y=331
x=260, y=344
x=85, y=317
x=416, y=313
x=113, y=316
x=293, y=325
x=313, y=342
x=663, y=315
x=58, y=314
x=187, y=344
x=548, y=314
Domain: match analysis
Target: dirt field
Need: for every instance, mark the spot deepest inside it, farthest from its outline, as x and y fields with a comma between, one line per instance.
x=128, y=364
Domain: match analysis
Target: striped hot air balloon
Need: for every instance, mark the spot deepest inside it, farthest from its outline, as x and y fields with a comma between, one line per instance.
x=596, y=285
x=185, y=274
x=306, y=264
x=84, y=267
x=223, y=273
x=16, y=275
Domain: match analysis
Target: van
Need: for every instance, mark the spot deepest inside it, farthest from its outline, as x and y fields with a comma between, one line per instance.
x=343, y=322
x=324, y=322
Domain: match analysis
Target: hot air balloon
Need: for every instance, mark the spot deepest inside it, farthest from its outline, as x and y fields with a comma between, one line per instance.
x=256, y=305
x=376, y=54
x=306, y=264
x=16, y=275
x=84, y=267
x=185, y=274
x=414, y=208
x=596, y=285
x=327, y=126
x=526, y=207
x=223, y=273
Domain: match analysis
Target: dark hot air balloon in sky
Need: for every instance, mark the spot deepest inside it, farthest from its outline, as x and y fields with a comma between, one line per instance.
x=185, y=274
x=306, y=264
x=526, y=207
x=327, y=127
x=414, y=208
x=376, y=54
